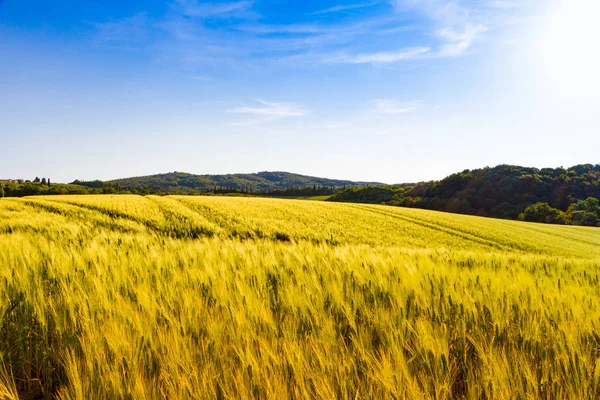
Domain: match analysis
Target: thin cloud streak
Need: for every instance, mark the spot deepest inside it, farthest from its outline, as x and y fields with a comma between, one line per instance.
x=347, y=7
x=502, y=4
x=391, y=106
x=265, y=29
x=269, y=112
x=379, y=57
x=191, y=8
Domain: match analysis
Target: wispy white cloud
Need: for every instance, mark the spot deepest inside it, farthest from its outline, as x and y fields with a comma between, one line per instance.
x=271, y=110
x=457, y=42
x=396, y=29
x=333, y=32
x=250, y=42
x=392, y=106
x=268, y=112
x=454, y=24
x=347, y=7
x=182, y=37
x=383, y=57
x=193, y=8
x=287, y=28
x=124, y=33
x=502, y=4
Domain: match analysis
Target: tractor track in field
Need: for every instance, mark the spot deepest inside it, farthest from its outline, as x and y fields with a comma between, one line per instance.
x=438, y=227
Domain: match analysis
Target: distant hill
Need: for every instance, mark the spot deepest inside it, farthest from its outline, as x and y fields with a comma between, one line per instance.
x=552, y=195
x=181, y=182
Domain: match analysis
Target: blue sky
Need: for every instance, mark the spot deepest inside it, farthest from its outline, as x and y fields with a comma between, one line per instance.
x=393, y=91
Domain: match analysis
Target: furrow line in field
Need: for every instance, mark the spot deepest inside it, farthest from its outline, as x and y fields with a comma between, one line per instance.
x=114, y=214
x=554, y=235
x=436, y=227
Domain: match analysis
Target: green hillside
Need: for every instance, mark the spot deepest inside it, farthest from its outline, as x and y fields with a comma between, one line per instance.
x=552, y=195
x=262, y=181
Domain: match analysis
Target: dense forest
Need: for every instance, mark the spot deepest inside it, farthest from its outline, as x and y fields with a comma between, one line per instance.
x=552, y=195
x=275, y=184
x=180, y=182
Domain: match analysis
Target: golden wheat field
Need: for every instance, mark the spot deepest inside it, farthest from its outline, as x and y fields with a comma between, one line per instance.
x=129, y=297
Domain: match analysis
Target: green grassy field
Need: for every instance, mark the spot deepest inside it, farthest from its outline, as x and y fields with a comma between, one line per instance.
x=213, y=297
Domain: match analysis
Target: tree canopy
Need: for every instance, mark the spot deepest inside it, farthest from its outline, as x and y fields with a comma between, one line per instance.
x=551, y=195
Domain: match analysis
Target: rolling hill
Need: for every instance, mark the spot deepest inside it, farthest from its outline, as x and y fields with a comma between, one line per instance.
x=262, y=181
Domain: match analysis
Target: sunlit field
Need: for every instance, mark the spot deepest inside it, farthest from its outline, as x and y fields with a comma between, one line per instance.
x=214, y=297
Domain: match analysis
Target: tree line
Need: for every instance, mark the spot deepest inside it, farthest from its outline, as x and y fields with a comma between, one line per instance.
x=550, y=195
x=37, y=187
